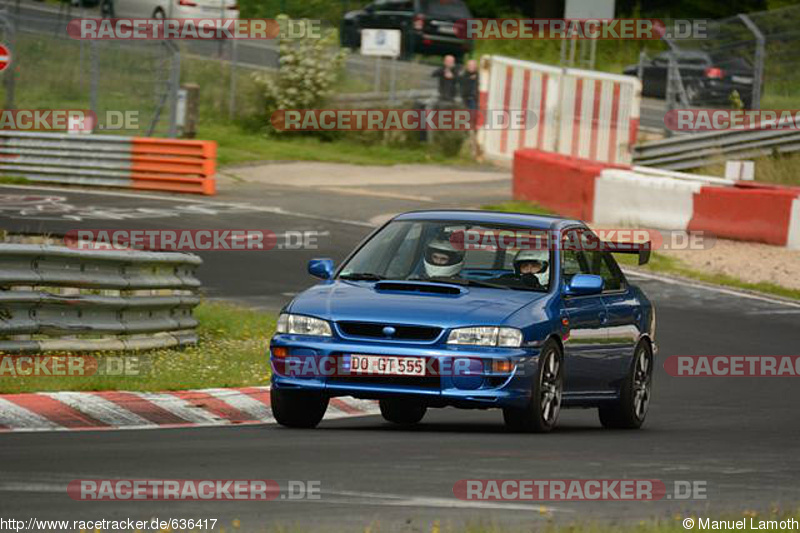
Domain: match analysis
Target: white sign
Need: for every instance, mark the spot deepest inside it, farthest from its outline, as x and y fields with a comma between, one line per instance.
x=740, y=170
x=180, y=108
x=589, y=9
x=381, y=42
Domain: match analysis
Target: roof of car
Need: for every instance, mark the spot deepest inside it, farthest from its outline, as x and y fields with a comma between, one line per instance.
x=492, y=217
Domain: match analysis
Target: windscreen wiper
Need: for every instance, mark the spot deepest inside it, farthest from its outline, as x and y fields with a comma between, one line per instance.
x=469, y=282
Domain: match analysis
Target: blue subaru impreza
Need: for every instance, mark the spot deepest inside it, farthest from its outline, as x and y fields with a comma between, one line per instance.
x=471, y=309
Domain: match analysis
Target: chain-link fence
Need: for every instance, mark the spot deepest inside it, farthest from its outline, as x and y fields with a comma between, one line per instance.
x=131, y=86
x=53, y=71
x=748, y=61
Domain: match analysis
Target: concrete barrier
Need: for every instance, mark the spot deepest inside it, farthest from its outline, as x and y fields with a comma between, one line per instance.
x=748, y=214
x=639, y=197
x=626, y=198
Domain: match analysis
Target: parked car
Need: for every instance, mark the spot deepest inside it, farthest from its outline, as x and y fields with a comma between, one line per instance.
x=170, y=9
x=428, y=26
x=708, y=79
x=415, y=318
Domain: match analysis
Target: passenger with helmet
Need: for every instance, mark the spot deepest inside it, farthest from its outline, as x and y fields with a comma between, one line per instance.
x=442, y=259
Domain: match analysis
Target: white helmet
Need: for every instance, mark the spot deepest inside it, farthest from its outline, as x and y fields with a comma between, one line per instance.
x=442, y=259
x=532, y=256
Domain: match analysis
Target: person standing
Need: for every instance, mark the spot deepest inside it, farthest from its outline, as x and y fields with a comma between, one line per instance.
x=447, y=75
x=469, y=85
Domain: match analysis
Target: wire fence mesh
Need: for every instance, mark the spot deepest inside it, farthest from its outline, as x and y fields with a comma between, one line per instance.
x=130, y=85
x=753, y=54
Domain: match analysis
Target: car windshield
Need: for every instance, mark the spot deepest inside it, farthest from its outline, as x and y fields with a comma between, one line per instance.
x=464, y=253
x=445, y=8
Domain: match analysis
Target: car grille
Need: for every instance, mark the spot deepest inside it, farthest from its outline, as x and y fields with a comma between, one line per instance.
x=402, y=332
x=422, y=382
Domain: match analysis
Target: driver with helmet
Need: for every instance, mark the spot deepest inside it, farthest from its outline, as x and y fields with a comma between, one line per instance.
x=442, y=259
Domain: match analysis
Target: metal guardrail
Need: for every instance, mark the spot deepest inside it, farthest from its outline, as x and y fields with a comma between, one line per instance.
x=385, y=97
x=59, y=298
x=109, y=161
x=689, y=151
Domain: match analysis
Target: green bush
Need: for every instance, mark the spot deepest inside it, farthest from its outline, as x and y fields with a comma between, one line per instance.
x=307, y=71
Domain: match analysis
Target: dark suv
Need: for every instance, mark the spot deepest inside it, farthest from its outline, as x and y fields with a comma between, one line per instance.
x=428, y=26
x=708, y=79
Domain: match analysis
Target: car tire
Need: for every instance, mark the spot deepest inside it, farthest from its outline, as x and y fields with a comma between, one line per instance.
x=297, y=409
x=541, y=413
x=159, y=14
x=631, y=409
x=402, y=411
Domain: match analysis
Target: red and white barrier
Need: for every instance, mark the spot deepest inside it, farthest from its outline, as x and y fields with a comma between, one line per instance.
x=643, y=197
x=580, y=113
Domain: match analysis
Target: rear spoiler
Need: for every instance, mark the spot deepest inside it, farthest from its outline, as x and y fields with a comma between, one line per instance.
x=642, y=249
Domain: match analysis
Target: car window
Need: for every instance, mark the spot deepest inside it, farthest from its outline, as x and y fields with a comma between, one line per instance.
x=601, y=266
x=405, y=255
x=445, y=8
x=394, y=5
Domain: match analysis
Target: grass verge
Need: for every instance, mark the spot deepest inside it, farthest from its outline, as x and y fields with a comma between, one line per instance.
x=780, y=169
x=662, y=264
x=236, y=145
x=527, y=208
x=231, y=353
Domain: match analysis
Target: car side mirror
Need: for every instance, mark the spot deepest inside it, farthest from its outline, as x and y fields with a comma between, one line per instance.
x=584, y=285
x=321, y=268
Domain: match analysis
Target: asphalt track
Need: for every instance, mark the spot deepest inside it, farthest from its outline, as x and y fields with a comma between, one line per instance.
x=738, y=435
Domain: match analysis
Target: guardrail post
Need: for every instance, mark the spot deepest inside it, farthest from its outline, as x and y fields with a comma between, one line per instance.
x=172, y=89
x=758, y=74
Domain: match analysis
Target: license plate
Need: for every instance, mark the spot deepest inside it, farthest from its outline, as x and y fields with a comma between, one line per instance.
x=385, y=365
x=741, y=79
x=447, y=28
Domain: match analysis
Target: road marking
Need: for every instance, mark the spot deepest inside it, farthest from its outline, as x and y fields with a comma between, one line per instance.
x=378, y=194
x=181, y=408
x=110, y=410
x=243, y=402
x=397, y=500
x=210, y=204
x=722, y=290
x=16, y=417
x=99, y=408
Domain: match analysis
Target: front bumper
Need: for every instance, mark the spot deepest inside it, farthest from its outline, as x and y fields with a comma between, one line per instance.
x=463, y=375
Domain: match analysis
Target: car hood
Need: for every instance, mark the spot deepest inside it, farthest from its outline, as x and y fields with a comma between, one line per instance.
x=369, y=302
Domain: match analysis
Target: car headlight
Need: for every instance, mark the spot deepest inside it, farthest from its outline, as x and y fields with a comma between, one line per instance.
x=302, y=325
x=486, y=336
